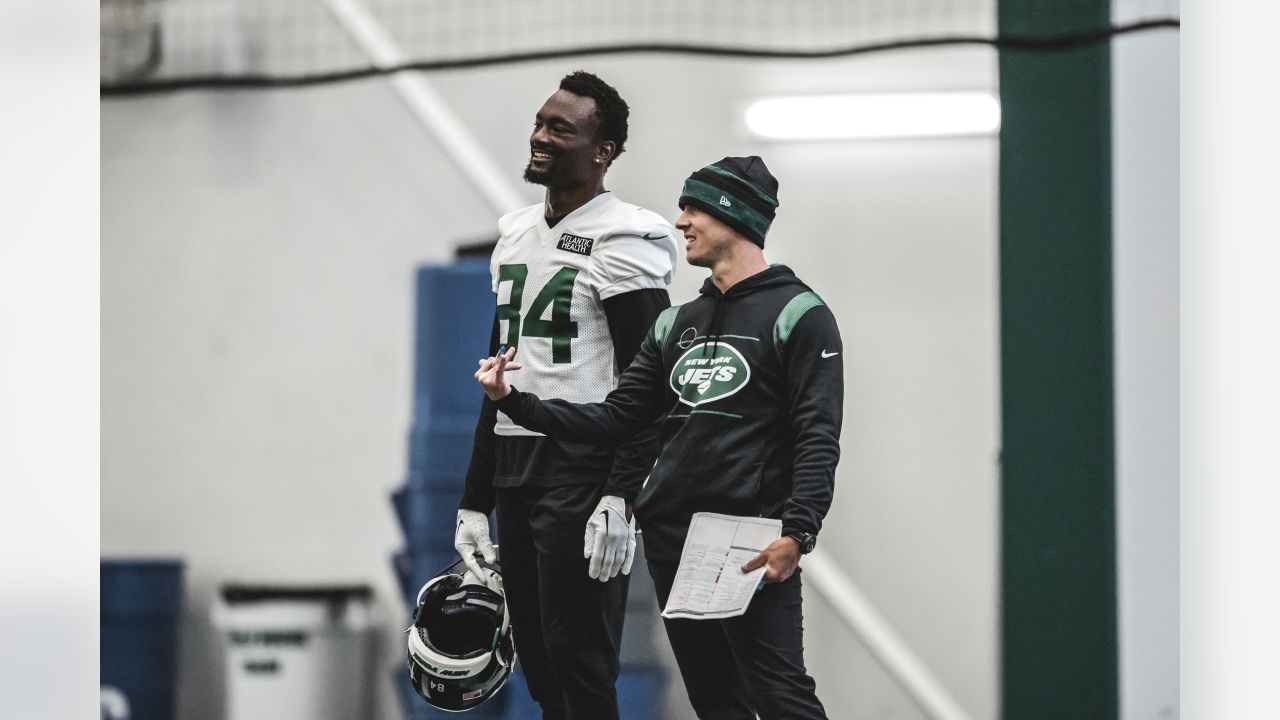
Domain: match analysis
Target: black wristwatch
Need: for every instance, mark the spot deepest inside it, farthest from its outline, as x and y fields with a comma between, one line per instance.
x=807, y=541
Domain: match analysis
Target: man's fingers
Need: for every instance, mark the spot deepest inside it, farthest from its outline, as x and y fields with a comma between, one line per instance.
x=630, y=558
x=490, y=373
x=594, y=565
x=504, y=358
x=470, y=561
x=597, y=556
x=500, y=365
x=631, y=548
x=619, y=559
x=755, y=562
x=485, y=546
x=588, y=540
x=609, y=567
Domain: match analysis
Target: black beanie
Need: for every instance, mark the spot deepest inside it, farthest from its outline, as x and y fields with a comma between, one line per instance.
x=738, y=191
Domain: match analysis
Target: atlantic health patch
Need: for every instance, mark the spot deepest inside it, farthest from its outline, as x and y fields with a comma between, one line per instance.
x=575, y=244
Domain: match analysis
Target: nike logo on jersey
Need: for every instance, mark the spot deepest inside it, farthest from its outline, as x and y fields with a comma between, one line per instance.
x=826, y=354
x=655, y=237
x=575, y=244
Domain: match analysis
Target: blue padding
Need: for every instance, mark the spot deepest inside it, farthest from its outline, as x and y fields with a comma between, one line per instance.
x=455, y=309
x=141, y=588
x=519, y=704
x=140, y=616
x=427, y=516
x=641, y=691
x=440, y=457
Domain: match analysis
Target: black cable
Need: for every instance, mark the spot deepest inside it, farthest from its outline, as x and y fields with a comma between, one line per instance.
x=1049, y=43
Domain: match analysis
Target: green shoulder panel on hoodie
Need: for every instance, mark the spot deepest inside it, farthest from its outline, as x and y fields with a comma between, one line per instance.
x=662, y=326
x=790, y=315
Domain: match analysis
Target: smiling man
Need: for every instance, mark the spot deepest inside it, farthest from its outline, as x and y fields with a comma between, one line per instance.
x=749, y=378
x=579, y=280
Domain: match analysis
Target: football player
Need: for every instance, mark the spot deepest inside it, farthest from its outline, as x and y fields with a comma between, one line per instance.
x=579, y=279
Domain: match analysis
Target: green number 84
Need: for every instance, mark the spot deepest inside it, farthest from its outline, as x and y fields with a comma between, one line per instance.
x=558, y=293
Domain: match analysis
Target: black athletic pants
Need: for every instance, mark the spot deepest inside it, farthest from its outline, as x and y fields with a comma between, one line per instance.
x=754, y=663
x=567, y=627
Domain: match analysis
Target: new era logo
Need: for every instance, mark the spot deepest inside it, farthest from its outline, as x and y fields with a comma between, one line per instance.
x=725, y=201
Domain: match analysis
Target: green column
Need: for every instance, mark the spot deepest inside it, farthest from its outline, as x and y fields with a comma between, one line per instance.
x=1058, y=580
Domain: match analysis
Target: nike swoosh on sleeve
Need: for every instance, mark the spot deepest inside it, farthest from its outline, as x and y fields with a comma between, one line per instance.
x=655, y=237
x=826, y=354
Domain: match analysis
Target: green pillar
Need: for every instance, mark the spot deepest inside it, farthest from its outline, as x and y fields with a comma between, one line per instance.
x=1058, y=569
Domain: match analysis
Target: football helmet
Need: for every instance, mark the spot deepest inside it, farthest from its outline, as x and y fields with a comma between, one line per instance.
x=460, y=646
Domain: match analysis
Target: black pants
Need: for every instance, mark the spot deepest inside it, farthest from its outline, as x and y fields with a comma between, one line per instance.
x=754, y=663
x=567, y=627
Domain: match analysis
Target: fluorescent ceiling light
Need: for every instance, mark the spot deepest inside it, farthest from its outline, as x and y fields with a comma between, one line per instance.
x=873, y=116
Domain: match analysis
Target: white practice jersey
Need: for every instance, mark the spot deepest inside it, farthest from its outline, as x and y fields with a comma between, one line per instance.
x=551, y=284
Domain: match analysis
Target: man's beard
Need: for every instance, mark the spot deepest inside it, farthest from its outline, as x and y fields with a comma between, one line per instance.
x=539, y=177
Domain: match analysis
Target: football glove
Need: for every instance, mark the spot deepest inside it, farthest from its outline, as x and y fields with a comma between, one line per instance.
x=472, y=538
x=610, y=540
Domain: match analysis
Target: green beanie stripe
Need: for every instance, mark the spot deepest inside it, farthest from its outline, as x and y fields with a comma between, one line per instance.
x=738, y=210
x=765, y=197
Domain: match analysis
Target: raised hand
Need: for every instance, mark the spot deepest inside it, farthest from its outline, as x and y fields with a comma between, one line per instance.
x=491, y=373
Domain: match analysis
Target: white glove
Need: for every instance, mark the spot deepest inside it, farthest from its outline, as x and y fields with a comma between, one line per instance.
x=472, y=537
x=610, y=540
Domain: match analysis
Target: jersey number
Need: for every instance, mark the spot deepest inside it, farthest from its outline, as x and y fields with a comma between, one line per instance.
x=558, y=293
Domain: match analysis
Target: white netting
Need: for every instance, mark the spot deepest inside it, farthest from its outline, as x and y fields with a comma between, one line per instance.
x=158, y=40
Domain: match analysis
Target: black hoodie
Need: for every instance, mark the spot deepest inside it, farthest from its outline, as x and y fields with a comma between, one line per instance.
x=752, y=386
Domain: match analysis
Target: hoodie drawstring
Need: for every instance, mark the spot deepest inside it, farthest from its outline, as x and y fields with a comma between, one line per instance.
x=713, y=333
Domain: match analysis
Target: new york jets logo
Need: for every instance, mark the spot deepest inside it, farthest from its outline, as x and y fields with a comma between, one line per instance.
x=706, y=376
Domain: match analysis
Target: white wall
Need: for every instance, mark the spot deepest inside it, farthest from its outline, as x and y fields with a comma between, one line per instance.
x=1145, y=147
x=257, y=264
